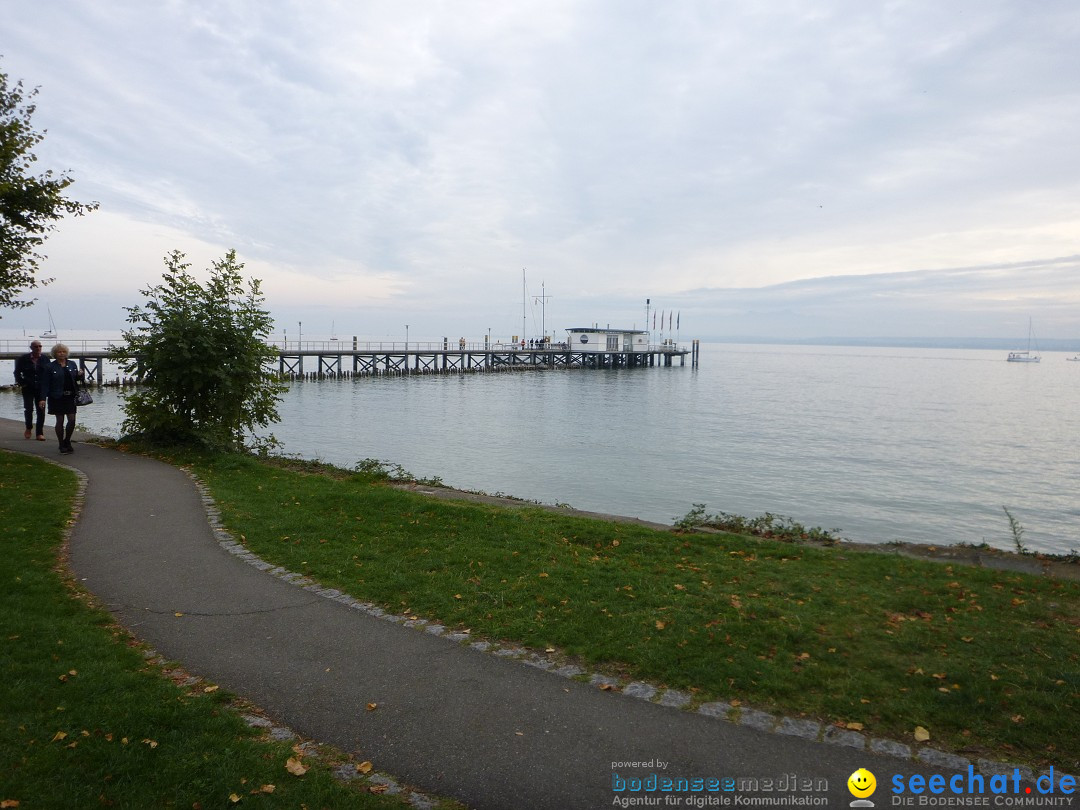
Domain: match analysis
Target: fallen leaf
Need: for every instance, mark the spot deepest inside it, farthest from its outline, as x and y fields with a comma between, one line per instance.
x=921, y=734
x=267, y=789
x=210, y=689
x=178, y=615
x=234, y=798
x=372, y=707
x=854, y=726
x=543, y=575
x=9, y=803
x=379, y=788
x=364, y=767
x=661, y=625
x=295, y=767
x=680, y=587
x=58, y=736
x=151, y=743
x=615, y=543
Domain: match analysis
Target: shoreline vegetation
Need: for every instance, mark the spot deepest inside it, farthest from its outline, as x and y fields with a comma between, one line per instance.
x=987, y=660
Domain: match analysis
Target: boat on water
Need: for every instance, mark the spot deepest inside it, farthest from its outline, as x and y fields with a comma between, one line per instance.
x=1025, y=356
x=50, y=333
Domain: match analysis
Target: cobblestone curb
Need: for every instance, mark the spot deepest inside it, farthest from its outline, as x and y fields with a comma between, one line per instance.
x=797, y=727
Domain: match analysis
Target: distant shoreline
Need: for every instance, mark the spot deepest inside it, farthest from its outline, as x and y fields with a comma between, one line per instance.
x=990, y=344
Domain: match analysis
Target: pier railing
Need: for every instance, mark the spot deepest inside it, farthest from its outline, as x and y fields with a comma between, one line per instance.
x=13, y=348
x=369, y=358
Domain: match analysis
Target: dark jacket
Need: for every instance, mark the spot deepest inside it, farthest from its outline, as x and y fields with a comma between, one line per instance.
x=26, y=373
x=51, y=379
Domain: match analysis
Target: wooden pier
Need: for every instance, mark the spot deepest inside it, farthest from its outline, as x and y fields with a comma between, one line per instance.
x=332, y=359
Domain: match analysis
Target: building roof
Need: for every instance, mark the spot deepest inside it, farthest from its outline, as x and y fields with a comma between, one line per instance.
x=597, y=330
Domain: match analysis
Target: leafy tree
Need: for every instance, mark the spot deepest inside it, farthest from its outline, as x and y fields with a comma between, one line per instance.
x=29, y=205
x=202, y=350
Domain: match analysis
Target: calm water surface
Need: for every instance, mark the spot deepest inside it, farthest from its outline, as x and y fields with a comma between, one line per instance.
x=921, y=445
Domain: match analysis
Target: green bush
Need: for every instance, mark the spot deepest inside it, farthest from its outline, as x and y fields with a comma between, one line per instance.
x=201, y=353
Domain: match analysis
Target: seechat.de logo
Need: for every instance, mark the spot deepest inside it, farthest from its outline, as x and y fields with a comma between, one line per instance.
x=862, y=785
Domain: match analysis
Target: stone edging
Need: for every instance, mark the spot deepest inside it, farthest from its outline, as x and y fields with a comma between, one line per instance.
x=812, y=730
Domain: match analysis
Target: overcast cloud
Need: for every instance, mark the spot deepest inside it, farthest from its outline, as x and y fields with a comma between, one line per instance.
x=764, y=167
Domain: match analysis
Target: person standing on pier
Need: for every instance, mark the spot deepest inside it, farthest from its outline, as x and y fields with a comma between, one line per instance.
x=28, y=368
x=58, y=384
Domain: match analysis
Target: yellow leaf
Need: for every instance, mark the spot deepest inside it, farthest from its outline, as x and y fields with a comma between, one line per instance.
x=364, y=767
x=151, y=743
x=379, y=788
x=234, y=798
x=58, y=736
x=210, y=689
x=6, y=803
x=680, y=587
x=615, y=543
x=661, y=625
x=543, y=576
x=267, y=789
x=921, y=734
x=372, y=707
x=178, y=615
x=855, y=726
x=457, y=595
x=295, y=767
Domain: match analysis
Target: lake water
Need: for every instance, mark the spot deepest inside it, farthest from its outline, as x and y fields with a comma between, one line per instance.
x=921, y=445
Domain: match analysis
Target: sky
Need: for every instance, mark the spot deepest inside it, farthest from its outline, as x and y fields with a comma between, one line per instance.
x=762, y=168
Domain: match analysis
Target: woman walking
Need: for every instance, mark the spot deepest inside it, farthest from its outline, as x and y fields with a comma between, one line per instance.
x=58, y=383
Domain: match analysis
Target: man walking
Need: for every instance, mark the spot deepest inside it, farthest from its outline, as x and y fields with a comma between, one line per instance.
x=27, y=369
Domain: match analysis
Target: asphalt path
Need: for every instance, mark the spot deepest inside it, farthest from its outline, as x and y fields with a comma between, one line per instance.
x=489, y=731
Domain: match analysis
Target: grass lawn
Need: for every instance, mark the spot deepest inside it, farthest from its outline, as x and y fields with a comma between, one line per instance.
x=988, y=662
x=87, y=721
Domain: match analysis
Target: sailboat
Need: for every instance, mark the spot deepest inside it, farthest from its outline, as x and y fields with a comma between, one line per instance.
x=1025, y=356
x=50, y=333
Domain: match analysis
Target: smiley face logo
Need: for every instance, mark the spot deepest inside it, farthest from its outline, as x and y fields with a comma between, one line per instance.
x=862, y=783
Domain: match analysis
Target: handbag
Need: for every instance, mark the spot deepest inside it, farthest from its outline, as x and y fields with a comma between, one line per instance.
x=83, y=397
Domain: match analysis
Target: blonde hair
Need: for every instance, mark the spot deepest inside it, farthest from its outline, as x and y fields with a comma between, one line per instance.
x=59, y=347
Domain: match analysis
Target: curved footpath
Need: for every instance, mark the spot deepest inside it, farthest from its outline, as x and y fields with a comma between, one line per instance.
x=486, y=729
